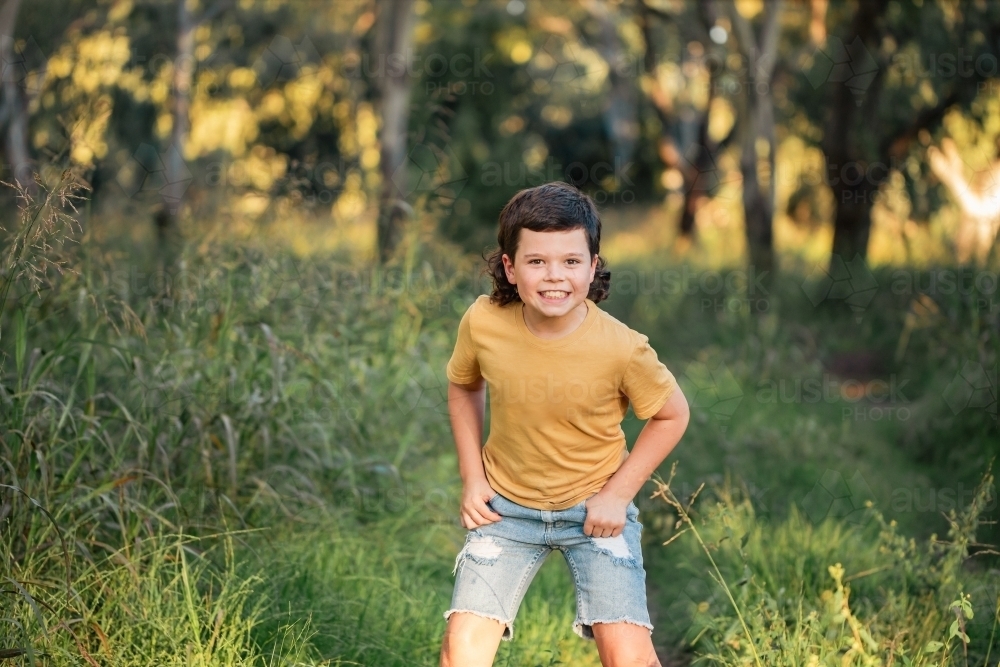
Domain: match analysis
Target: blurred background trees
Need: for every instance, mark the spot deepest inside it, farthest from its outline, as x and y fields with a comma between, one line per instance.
x=801, y=127
x=249, y=327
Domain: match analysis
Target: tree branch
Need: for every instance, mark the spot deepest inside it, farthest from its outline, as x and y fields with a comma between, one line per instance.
x=745, y=39
x=656, y=11
x=215, y=10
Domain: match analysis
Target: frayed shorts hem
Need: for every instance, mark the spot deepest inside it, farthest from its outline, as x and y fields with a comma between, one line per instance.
x=585, y=628
x=508, y=632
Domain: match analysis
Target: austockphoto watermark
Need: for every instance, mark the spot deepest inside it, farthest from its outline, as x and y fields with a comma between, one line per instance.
x=989, y=87
x=204, y=288
x=869, y=400
x=145, y=174
x=873, y=196
x=980, y=285
x=569, y=398
x=401, y=497
x=611, y=179
x=436, y=173
x=459, y=87
x=319, y=183
x=836, y=62
x=684, y=490
x=734, y=305
x=286, y=60
x=945, y=65
x=281, y=62
x=284, y=275
x=734, y=72
x=719, y=290
x=855, y=181
x=853, y=173
x=286, y=278
x=690, y=282
x=938, y=499
x=888, y=413
x=409, y=63
x=331, y=400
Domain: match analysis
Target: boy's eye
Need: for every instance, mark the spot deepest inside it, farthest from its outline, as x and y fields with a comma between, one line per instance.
x=572, y=259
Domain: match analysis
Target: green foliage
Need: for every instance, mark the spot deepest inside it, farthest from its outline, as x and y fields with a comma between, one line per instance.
x=907, y=603
x=246, y=460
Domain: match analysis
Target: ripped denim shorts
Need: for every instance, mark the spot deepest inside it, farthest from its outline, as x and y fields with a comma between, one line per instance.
x=500, y=559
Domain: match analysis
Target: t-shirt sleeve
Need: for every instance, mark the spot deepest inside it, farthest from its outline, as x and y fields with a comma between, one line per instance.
x=647, y=382
x=463, y=367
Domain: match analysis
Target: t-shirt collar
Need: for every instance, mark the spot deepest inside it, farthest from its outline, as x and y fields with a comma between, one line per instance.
x=592, y=313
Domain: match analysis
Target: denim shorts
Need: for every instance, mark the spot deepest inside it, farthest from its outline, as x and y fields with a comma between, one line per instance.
x=500, y=559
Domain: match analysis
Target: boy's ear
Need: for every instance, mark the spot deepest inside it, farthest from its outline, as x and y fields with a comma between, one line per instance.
x=508, y=267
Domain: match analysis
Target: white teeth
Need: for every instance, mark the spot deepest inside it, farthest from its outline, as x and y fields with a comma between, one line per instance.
x=554, y=295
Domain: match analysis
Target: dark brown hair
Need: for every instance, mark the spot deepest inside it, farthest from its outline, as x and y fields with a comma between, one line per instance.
x=552, y=207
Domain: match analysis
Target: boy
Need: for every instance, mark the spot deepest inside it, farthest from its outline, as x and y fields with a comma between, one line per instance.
x=555, y=472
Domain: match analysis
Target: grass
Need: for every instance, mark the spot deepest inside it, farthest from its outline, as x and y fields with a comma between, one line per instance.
x=246, y=459
x=375, y=594
x=792, y=602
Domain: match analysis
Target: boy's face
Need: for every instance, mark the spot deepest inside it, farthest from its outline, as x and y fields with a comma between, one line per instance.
x=552, y=270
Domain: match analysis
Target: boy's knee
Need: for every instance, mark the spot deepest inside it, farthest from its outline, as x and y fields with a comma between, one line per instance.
x=625, y=645
x=470, y=640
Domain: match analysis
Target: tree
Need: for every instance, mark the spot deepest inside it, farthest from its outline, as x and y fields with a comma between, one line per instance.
x=184, y=63
x=895, y=71
x=978, y=199
x=620, y=112
x=760, y=54
x=13, y=102
x=698, y=155
x=392, y=48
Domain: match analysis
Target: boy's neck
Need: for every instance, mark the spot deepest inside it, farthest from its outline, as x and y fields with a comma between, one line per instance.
x=544, y=326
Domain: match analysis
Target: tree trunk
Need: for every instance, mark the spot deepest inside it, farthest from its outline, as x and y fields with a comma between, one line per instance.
x=852, y=190
x=758, y=198
x=852, y=201
x=853, y=219
x=14, y=107
x=702, y=158
x=698, y=159
x=620, y=114
x=390, y=69
x=856, y=181
x=177, y=174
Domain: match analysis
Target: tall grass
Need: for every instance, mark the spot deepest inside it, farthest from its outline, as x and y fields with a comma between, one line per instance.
x=782, y=594
x=245, y=458
x=142, y=414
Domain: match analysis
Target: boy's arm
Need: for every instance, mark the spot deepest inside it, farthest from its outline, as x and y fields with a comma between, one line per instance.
x=467, y=408
x=606, y=509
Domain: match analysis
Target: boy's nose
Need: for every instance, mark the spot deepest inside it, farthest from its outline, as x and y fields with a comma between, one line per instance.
x=554, y=274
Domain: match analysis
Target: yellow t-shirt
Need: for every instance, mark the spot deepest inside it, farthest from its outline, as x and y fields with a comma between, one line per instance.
x=556, y=405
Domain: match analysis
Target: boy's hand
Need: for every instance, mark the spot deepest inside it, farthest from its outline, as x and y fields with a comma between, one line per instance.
x=605, y=515
x=475, y=511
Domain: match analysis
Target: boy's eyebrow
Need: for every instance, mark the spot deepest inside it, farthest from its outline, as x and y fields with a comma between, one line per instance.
x=538, y=254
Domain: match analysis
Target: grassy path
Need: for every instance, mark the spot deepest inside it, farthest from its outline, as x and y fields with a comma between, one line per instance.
x=271, y=416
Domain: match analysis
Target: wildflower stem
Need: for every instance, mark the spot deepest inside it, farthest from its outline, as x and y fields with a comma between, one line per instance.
x=665, y=492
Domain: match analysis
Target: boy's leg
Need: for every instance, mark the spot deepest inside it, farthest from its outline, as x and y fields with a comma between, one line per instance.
x=493, y=572
x=624, y=645
x=610, y=587
x=470, y=640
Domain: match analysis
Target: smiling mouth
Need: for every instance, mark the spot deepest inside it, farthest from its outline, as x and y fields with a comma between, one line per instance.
x=554, y=295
